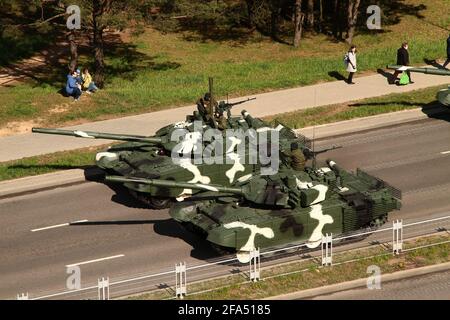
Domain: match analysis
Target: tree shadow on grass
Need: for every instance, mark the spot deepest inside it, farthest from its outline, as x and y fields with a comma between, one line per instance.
x=393, y=11
x=50, y=68
x=433, y=63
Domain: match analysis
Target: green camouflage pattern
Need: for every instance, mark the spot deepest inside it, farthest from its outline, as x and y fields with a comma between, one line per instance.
x=150, y=157
x=282, y=209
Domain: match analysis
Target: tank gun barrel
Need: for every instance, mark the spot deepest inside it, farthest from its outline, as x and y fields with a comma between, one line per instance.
x=99, y=135
x=232, y=104
x=310, y=154
x=174, y=184
x=434, y=71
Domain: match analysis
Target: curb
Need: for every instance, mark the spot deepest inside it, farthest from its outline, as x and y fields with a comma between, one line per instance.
x=360, y=283
x=48, y=181
x=369, y=123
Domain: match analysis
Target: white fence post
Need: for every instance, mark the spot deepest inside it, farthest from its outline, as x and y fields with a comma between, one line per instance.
x=397, y=236
x=255, y=265
x=103, y=288
x=22, y=296
x=327, y=249
x=180, y=280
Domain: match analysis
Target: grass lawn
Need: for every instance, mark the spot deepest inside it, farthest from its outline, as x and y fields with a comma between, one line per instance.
x=295, y=276
x=57, y=161
x=156, y=71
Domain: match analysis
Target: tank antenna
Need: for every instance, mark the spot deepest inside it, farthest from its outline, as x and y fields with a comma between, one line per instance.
x=313, y=148
x=210, y=80
x=314, y=133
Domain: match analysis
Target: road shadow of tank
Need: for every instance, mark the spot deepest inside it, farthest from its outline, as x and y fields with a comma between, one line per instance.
x=121, y=195
x=201, y=249
x=437, y=111
x=94, y=174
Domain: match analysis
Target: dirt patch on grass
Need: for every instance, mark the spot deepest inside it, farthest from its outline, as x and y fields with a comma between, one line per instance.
x=18, y=127
x=60, y=108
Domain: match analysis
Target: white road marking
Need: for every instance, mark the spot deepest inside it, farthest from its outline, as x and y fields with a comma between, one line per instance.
x=445, y=152
x=95, y=260
x=57, y=225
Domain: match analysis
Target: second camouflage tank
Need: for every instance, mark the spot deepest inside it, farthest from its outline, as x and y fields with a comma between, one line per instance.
x=282, y=209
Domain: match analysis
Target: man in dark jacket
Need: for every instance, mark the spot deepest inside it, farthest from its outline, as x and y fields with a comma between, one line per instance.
x=448, y=52
x=402, y=60
x=73, y=88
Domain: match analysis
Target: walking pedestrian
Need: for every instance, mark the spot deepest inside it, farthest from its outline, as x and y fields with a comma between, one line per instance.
x=448, y=53
x=402, y=60
x=350, y=62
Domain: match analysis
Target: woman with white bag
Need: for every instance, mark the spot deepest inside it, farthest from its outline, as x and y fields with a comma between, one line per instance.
x=350, y=62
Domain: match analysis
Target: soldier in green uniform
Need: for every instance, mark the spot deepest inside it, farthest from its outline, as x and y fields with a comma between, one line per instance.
x=295, y=157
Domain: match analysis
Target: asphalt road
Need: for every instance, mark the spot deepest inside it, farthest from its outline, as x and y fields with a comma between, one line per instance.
x=427, y=287
x=119, y=239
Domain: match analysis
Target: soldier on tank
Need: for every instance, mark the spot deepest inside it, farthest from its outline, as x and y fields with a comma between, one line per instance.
x=221, y=121
x=201, y=108
x=296, y=157
x=206, y=107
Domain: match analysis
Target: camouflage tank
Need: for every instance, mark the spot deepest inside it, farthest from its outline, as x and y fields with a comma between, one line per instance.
x=283, y=209
x=443, y=96
x=150, y=157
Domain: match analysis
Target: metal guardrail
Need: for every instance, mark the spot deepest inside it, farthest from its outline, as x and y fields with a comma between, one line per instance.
x=136, y=285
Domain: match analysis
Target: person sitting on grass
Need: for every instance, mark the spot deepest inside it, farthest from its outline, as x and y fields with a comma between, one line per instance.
x=88, y=84
x=73, y=88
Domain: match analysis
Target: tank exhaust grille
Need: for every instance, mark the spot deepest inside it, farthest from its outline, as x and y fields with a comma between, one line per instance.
x=396, y=193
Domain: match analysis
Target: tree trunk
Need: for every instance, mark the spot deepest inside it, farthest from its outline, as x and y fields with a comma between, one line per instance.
x=352, y=17
x=320, y=16
x=98, y=8
x=249, y=5
x=71, y=37
x=274, y=16
x=310, y=14
x=298, y=22
x=336, y=18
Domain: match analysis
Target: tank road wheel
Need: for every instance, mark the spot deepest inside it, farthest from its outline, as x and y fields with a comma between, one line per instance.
x=160, y=203
x=378, y=222
x=223, y=251
x=152, y=202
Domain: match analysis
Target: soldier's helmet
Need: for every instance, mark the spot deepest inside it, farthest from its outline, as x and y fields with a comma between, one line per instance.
x=207, y=96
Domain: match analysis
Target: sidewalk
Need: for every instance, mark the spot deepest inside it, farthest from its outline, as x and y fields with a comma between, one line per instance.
x=27, y=145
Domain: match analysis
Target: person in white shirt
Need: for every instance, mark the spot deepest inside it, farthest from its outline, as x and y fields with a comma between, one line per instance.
x=350, y=62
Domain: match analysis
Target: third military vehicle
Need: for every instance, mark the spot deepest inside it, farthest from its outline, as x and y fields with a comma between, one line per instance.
x=443, y=96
